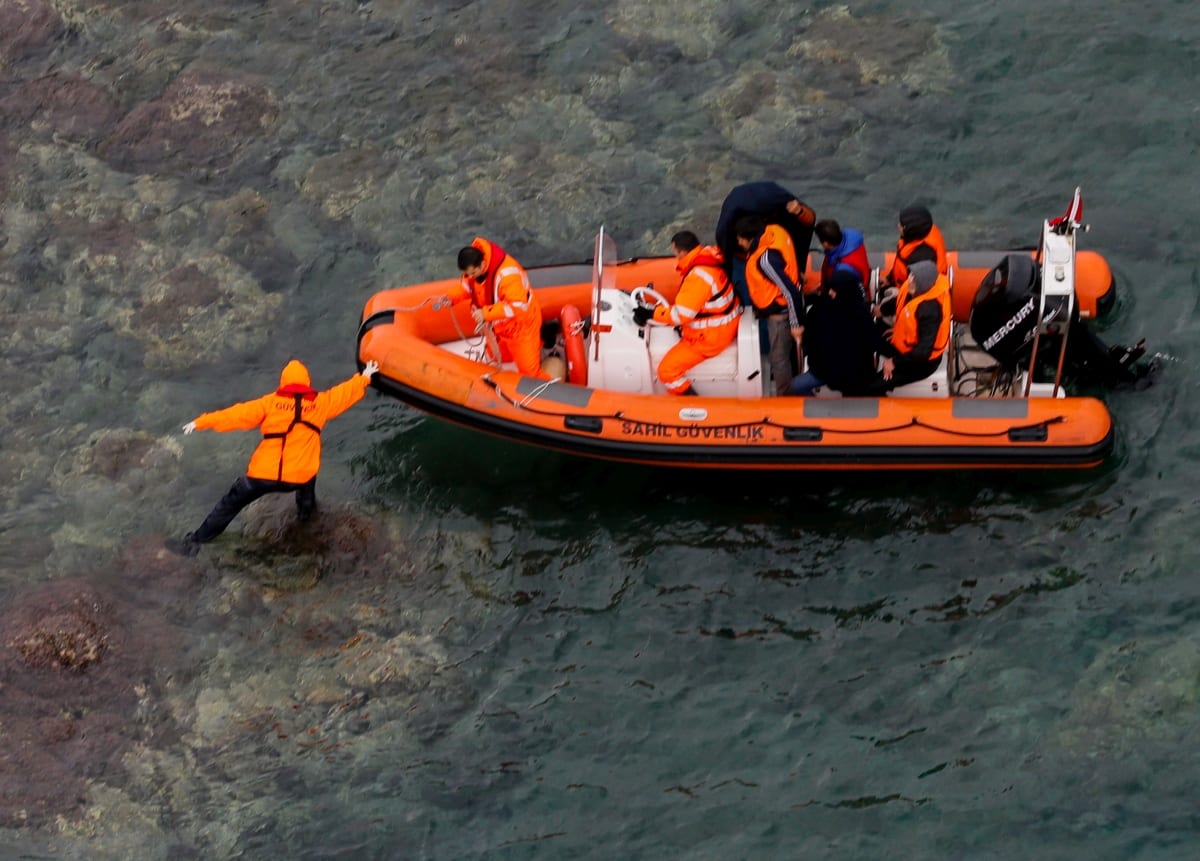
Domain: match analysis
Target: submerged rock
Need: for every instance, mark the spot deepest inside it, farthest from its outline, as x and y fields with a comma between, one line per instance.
x=68, y=638
x=283, y=555
x=203, y=120
x=202, y=310
x=1134, y=696
x=135, y=461
x=340, y=182
x=240, y=228
x=700, y=31
x=7, y=157
x=61, y=105
x=110, y=479
x=77, y=674
x=27, y=28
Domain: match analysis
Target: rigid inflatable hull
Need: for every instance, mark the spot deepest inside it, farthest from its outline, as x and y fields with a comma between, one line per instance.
x=402, y=332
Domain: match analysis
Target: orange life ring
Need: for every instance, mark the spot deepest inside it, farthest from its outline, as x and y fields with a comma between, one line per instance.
x=571, y=322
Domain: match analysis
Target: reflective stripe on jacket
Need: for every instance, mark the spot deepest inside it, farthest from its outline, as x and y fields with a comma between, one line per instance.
x=504, y=295
x=705, y=299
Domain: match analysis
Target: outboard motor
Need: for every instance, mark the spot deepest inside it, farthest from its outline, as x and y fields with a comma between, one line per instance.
x=1027, y=304
x=1004, y=315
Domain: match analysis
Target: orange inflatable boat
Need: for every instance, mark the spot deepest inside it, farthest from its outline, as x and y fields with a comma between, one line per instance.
x=1001, y=407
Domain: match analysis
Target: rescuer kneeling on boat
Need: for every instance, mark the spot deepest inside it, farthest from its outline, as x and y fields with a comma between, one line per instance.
x=705, y=310
x=498, y=288
x=289, y=456
x=922, y=329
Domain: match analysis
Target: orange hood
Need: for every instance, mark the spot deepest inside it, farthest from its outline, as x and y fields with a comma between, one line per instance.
x=701, y=255
x=295, y=380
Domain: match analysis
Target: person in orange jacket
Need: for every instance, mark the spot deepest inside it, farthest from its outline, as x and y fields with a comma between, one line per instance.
x=705, y=310
x=775, y=281
x=920, y=239
x=922, y=332
x=289, y=455
x=498, y=288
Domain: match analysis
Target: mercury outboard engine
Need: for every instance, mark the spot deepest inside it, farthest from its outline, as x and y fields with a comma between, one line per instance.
x=1026, y=305
x=1004, y=315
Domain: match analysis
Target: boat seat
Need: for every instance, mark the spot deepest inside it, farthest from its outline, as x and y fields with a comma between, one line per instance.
x=936, y=385
x=722, y=366
x=735, y=372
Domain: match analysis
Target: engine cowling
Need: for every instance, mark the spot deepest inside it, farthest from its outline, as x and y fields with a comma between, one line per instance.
x=1005, y=311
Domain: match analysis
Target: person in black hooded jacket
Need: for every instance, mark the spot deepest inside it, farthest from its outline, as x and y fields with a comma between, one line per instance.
x=776, y=205
x=840, y=339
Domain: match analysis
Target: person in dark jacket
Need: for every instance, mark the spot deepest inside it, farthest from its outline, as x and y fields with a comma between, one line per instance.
x=920, y=239
x=840, y=339
x=922, y=330
x=776, y=205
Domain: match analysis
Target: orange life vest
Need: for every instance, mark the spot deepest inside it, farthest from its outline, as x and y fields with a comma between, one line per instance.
x=904, y=333
x=765, y=293
x=904, y=250
x=504, y=294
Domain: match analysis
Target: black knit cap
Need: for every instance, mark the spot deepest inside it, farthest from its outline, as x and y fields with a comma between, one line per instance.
x=915, y=222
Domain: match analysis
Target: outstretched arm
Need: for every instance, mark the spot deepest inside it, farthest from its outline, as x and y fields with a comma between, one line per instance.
x=345, y=395
x=244, y=416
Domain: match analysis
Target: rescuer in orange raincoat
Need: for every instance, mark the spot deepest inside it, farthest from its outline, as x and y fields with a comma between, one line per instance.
x=498, y=288
x=289, y=455
x=705, y=310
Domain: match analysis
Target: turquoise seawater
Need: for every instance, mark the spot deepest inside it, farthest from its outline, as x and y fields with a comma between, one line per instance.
x=504, y=653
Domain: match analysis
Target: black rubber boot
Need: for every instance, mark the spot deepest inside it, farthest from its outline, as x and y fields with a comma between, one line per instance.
x=185, y=546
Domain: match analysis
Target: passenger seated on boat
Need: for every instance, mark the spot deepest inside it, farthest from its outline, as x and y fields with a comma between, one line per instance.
x=705, y=310
x=498, y=288
x=773, y=279
x=922, y=330
x=920, y=239
x=840, y=339
x=844, y=250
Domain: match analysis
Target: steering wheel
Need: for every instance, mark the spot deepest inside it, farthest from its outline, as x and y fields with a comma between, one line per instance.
x=647, y=296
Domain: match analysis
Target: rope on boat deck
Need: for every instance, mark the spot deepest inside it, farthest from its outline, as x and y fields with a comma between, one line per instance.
x=409, y=309
x=524, y=403
x=486, y=340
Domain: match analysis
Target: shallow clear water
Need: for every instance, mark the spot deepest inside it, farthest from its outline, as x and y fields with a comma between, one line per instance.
x=553, y=658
